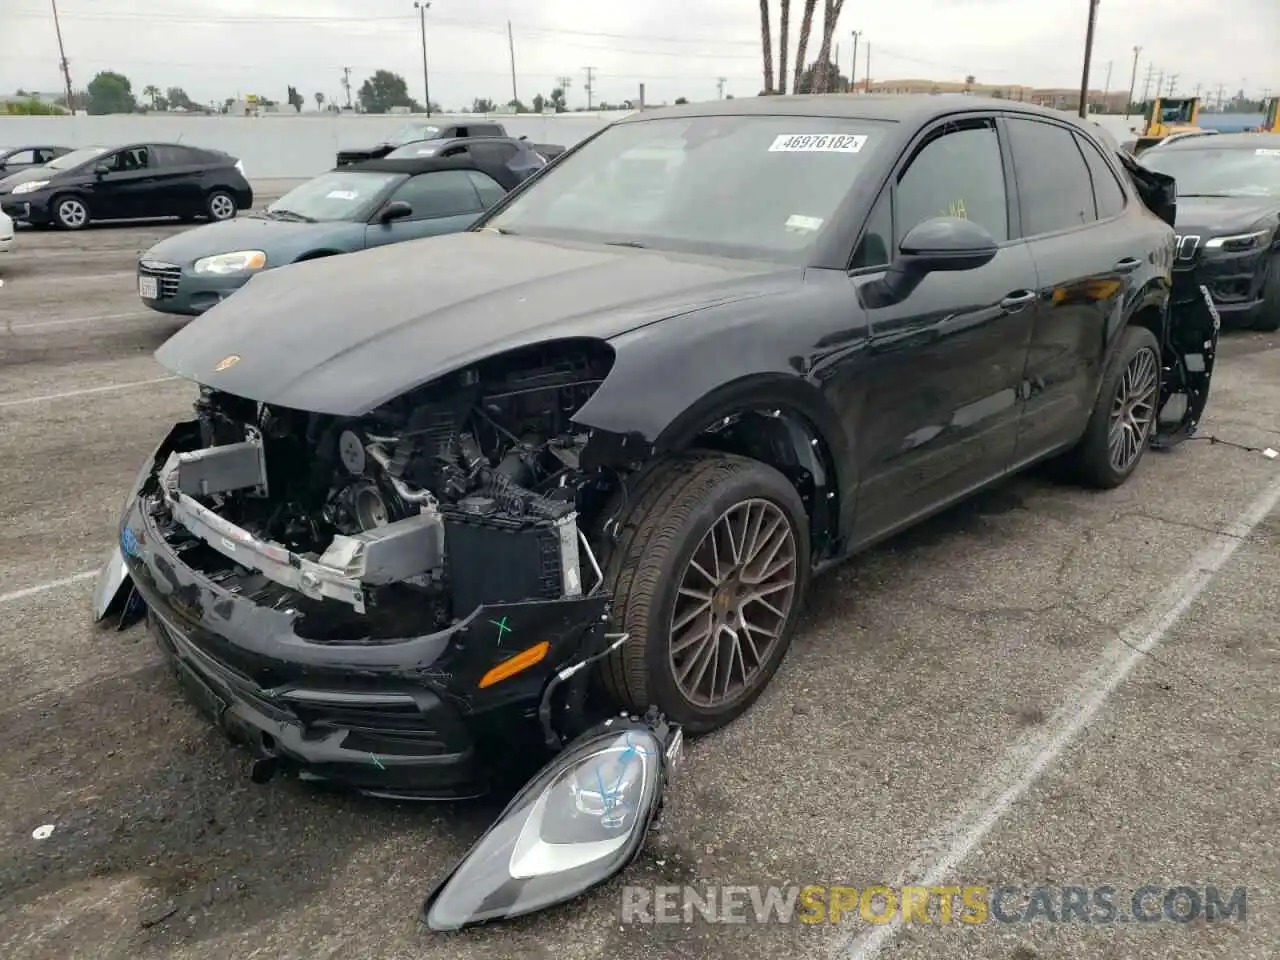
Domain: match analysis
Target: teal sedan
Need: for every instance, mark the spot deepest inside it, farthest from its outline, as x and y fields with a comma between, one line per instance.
x=353, y=208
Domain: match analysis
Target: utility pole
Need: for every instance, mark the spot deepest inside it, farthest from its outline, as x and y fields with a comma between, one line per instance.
x=720, y=82
x=422, y=6
x=66, y=69
x=1160, y=84
x=346, y=84
x=1222, y=95
x=511, y=45
x=853, y=67
x=1198, y=86
x=1133, y=82
x=1106, y=89
x=590, y=84
x=1088, y=59
x=1146, y=83
x=1173, y=84
x=867, y=89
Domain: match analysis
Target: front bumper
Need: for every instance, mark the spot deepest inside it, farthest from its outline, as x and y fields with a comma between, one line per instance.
x=404, y=717
x=28, y=208
x=181, y=291
x=1234, y=280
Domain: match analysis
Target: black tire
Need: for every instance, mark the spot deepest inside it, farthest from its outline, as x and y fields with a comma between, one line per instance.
x=1091, y=458
x=70, y=212
x=669, y=511
x=1268, y=316
x=220, y=205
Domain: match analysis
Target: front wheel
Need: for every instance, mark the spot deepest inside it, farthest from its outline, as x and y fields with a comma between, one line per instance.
x=1120, y=425
x=71, y=213
x=220, y=205
x=708, y=573
x=1268, y=318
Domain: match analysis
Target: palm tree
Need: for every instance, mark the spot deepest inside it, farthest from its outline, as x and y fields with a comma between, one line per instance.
x=766, y=46
x=783, y=43
x=151, y=91
x=830, y=17
x=319, y=101
x=806, y=25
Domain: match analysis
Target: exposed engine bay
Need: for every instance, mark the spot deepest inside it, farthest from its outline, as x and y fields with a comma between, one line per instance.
x=467, y=491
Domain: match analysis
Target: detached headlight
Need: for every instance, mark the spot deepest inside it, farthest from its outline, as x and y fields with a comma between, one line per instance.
x=579, y=822
x=31, y=186
x=241, y=261
x=1241, y=242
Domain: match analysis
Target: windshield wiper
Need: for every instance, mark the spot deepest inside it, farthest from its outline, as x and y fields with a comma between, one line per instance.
x=291, y=215
x=1224, y=196
x=625, y=243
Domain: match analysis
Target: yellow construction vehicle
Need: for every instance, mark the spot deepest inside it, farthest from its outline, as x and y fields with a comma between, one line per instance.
x=1164, y=116
x=1272, y=123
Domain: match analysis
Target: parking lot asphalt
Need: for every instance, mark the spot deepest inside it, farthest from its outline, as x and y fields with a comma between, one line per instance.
x=1044, y=686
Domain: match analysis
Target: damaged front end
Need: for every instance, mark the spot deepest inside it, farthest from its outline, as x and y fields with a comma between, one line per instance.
x=1188, y=352
x=402, y=601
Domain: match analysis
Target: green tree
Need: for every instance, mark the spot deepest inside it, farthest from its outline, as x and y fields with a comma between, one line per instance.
x=152, y=93
x=111, y=92
x=483, y=105
x=680, y=100
x=178, y=99
x=33, y=108
x=515, y=106
x=384, y=90
x=319, y=101
x=296, y=100
x=539, y=103
x=814, y=80
x=557, y=99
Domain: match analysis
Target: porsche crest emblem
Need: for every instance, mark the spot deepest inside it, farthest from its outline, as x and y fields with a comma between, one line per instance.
x=226, y=363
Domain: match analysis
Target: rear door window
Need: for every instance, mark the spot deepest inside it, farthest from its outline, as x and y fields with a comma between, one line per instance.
x=1106, y=188
x=1054, y=186
x=134, y=158
x=490, y=190
x=165, y=155
x=495, y=153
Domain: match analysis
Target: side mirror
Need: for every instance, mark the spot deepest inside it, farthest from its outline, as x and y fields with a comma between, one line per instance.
x=101, y=170
x=395, y=210
x=939, y=244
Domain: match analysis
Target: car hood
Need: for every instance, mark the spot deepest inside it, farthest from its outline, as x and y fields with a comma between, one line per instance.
x=1218, y=216
x=343, y=337
x=281, y=240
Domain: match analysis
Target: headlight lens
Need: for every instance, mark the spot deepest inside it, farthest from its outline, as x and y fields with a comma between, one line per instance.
x=574, y=826
x=1241, y=242
x=241, y=261
x=31, y=186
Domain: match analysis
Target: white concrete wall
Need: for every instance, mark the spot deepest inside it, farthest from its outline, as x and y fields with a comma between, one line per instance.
x=283, y=145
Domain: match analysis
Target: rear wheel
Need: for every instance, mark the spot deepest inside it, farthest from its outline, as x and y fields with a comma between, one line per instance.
x=1268, y=317
x=708, y=573
x=72, y=213
x=220, y=205
x=1120, y=425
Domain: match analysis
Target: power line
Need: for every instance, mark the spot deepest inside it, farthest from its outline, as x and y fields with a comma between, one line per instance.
x=589, y=85
x=66, y=69
x=720, y=82
x=1173, y=83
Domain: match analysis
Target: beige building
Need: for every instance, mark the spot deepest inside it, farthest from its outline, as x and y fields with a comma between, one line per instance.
x=1061, y=99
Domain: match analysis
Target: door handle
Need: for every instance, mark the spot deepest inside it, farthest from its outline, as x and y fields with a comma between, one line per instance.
x=1018, y=299
x=1127, y=265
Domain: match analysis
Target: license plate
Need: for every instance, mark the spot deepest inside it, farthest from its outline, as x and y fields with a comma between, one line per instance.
x=147, y=288
x=1213, y=310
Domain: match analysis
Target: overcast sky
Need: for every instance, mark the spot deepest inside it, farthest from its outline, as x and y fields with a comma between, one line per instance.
x=220, y=48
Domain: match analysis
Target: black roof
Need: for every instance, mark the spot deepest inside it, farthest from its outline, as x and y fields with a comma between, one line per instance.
x=412, y=166
x=913, y=108
x=1226, y=141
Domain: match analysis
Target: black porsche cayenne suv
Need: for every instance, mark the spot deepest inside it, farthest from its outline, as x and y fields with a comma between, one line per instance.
x=629, y=415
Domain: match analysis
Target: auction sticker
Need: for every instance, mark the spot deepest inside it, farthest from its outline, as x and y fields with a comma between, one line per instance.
x=341, y=195
x=1267, y=152
x=818, y=143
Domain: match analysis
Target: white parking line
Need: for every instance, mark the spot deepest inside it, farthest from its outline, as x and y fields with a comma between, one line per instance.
x=51, y=585
x=86, y=392
x=1027, y=762
x=102, y=318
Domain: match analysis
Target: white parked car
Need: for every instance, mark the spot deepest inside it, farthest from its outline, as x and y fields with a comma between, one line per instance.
x=6, y=232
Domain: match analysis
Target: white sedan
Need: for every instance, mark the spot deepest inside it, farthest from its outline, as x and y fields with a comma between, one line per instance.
x=6, y=232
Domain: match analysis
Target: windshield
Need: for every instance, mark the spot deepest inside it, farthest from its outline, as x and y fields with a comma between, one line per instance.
x=414, y=131
x=736, y=186
x=1209, y=172
x=76, y=157
x=339, y=195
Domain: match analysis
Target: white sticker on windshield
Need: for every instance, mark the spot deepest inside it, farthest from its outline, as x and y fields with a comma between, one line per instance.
x=803, y=224
x=341, y=195
x=1267, y=152
x=818, y=143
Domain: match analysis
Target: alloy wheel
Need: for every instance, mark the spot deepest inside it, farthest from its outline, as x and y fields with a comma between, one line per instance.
x=1133, y=410
x=72, y=213
x=733, y=603
x=222, y=207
